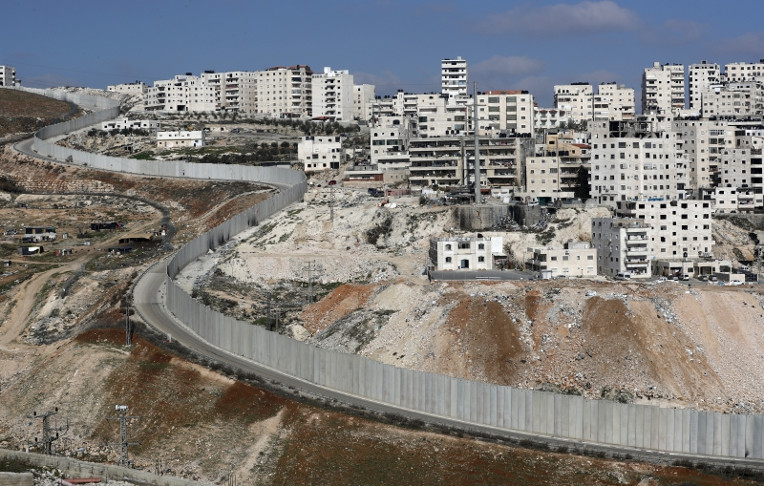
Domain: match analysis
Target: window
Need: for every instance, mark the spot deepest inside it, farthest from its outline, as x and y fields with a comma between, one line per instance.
x=481, y=259
x=448, y=259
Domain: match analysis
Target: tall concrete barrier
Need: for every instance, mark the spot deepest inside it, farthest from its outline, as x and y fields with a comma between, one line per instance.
x=502, y=409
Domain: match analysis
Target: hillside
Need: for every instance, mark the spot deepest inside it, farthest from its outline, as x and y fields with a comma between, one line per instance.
x=22, y=112
x=675, y=344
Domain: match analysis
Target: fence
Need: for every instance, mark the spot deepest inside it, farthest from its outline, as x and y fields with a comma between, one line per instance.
x=501, y=408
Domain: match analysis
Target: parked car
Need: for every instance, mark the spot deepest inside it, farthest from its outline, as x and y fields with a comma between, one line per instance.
x=684, y=277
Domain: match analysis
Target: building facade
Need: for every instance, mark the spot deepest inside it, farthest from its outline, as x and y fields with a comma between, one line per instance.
x=333, y=94
x=663, y=88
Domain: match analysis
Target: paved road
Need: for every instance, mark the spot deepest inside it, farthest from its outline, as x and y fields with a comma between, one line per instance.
x=480, y=275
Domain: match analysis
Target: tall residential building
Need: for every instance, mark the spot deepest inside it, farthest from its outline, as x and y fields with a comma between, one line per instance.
x=7, y=76
x=453, y=80
x=333, y=95
x=363, y=102
x=663, y=88
x=236, y=90
x=633, y=160
x=285, y=92
x=702, y=77
x=505, y=111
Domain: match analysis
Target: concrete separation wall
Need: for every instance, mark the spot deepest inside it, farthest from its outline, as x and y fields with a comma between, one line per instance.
x=441, y=398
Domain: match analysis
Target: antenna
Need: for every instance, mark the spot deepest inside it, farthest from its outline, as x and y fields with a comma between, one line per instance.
x=123, y=441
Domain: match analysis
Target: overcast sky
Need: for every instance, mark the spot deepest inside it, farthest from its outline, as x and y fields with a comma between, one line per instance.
x=393, y=44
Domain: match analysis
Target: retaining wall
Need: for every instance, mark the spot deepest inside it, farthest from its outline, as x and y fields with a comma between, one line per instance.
x=502, y=408
x=76, y=468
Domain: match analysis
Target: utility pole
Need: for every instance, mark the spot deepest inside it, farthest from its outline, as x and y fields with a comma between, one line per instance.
x=477, y=143
x=123, y=443
x=311, y=267
x=47, y=433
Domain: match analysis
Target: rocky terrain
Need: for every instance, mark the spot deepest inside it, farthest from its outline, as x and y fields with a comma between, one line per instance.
x=668, y=343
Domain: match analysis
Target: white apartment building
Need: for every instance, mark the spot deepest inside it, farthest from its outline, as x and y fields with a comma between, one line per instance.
x=505, y=111
x=183, y=93
x=333, y=95
x=318, y=153
x=462, y=253
x=453, y=80
x=663, y=88
x=743, y=71
x=611, y=102
x=363, y=101
x=549, y=118
x=614, y=101
x=622, y=246
x=678, y=229
x=572, y=261
x=390, y=139
x=737, y=99
x=701, y=78
x=285, y=92
x=236, y=91
x=576, y=99
x=8, y=76
x=435, y=117
x=702, y=143
x=178, y=139
x=633, y=160
x=137, y=88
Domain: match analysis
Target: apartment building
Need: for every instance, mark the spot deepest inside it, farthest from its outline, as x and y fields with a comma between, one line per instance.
x=390, y=139
x=449, y=161
x=701, y=143
x=505, y=111
x=702, y=77
x=137, y=88
x=318, y=153
x=743, y=71
x=574, y=260
x=680, y=229
x=8, y=76
x=663, y=88
x=284, y=92
x=741, y=187
x=236, y=91
x=333, y=95
x=622, y=246
x=553, y=172
x=363, y=102
x=633, y=160
x=435, y=117
x=462, y=253
x=614, y=101
x=739, y=99
x=183, y=93
x=576, y=99
x=453, y=80
x=126, y=124
x=550, y=118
